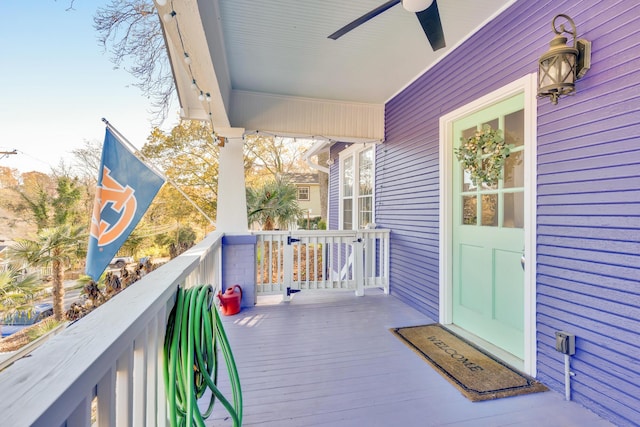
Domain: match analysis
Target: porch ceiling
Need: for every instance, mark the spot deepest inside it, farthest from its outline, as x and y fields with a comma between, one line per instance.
x=280, y=48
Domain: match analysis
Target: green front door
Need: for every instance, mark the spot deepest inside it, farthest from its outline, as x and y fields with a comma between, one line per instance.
x=488, y=235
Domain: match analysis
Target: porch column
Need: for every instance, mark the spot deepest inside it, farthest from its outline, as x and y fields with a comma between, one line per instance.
x=232, y=199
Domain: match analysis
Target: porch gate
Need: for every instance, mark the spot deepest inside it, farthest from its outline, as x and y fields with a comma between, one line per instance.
x=292, y=261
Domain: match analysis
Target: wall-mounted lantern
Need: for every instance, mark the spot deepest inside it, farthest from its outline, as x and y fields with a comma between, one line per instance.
x=562, y=65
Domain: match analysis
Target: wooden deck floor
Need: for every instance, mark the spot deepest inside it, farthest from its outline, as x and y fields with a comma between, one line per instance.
x=328, y=359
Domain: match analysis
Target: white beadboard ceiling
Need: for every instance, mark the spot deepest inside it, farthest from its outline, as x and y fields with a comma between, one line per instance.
x=280, y=47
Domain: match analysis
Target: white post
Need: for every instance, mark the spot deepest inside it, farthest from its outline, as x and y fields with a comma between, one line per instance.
x=287, y=253
x=358, y=264
x=232, y=199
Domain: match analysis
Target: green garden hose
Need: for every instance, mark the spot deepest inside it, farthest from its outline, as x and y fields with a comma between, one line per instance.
x=194, y=332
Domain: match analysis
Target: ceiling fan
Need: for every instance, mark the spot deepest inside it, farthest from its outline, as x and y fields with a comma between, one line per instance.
x=426, y=11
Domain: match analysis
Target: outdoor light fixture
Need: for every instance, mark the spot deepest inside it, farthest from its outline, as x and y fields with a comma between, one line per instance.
x=562, y=65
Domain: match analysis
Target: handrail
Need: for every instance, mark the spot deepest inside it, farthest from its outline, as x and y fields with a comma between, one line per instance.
x=111, y=357
x=30, y=347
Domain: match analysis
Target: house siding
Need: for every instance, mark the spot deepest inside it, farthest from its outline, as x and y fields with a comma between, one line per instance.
x=588, y=190
x=588, y=214
x=334, y=185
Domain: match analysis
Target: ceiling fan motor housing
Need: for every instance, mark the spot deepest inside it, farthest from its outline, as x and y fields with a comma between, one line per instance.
x=416, y=5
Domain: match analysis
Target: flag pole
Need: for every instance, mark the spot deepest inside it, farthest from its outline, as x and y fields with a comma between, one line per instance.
x=137, y=152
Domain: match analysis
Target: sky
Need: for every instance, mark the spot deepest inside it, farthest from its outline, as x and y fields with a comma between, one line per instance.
x=57, y=83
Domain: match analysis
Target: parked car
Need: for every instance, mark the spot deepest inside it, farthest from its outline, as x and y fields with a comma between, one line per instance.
x=121, y=261
x=19, y=320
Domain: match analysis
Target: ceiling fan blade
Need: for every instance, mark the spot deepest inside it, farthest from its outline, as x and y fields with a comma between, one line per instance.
x=430, y=21
x=364, y=18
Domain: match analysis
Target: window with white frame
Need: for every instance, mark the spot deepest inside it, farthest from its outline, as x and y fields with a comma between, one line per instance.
x=303, y=193
x=356, y=185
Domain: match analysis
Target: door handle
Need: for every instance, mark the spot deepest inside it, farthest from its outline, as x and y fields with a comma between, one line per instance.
x=522, y=261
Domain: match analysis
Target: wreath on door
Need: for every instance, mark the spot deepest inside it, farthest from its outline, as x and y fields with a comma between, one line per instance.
x=483, y=155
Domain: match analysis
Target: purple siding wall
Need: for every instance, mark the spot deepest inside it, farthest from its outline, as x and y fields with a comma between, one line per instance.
x=589, y=219
x=334, y=186
x=588, y=209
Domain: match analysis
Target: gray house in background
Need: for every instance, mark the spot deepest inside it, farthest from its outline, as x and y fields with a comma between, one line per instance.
x=554, y=246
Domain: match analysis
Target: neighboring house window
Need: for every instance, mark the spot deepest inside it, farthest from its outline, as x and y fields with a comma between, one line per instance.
x=356, y=198
x=303, y=193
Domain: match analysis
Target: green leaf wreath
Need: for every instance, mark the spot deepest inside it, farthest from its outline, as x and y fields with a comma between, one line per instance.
x=483, y=155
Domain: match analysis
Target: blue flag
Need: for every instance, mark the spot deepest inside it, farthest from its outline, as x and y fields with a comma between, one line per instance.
x=126, y=187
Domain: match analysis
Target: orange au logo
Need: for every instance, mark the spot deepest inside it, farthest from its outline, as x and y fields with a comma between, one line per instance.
x=122, y=201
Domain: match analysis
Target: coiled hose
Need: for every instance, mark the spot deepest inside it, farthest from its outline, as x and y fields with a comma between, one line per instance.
x=194, y=331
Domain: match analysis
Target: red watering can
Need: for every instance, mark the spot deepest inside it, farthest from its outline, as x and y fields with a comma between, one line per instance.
x=230, y=300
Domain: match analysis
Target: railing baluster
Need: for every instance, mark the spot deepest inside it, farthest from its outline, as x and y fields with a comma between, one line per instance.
x=316, y=254
x=298, y=263
x=152, y=373
x=81, y=416
x=332, y=262
x=140, y=379
x=124, y=387
x=161, y=396
x=105, y=392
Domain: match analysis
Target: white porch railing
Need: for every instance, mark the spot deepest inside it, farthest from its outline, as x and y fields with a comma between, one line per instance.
x=298, y=260
x=108, y=367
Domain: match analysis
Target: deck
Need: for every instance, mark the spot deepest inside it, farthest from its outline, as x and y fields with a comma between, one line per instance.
x=328, y=358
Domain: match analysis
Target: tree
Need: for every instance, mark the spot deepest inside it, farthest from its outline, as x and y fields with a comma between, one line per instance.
x=87, y=161
x=17, y=289
x=130, y=30
x=182, y=239
x=272, y=156
x=8, y=177
x=52, y=201
x=273, y=204
x=36, y=190
x=58, y=247
x=189, y=158
x=65, y=203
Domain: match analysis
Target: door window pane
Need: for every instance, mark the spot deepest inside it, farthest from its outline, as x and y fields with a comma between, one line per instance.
x=513, y=216
x=514, y=170
x=490, y=210
x=469, y=210
x=514, y=128
x=467, y=184
x=493, y=124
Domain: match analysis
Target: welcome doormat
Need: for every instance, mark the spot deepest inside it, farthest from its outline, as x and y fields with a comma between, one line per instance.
x=478, y=375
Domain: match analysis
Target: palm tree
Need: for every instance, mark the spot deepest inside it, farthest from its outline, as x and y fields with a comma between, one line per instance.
x=57, y=247
x=273, y=204
x=17, y=290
